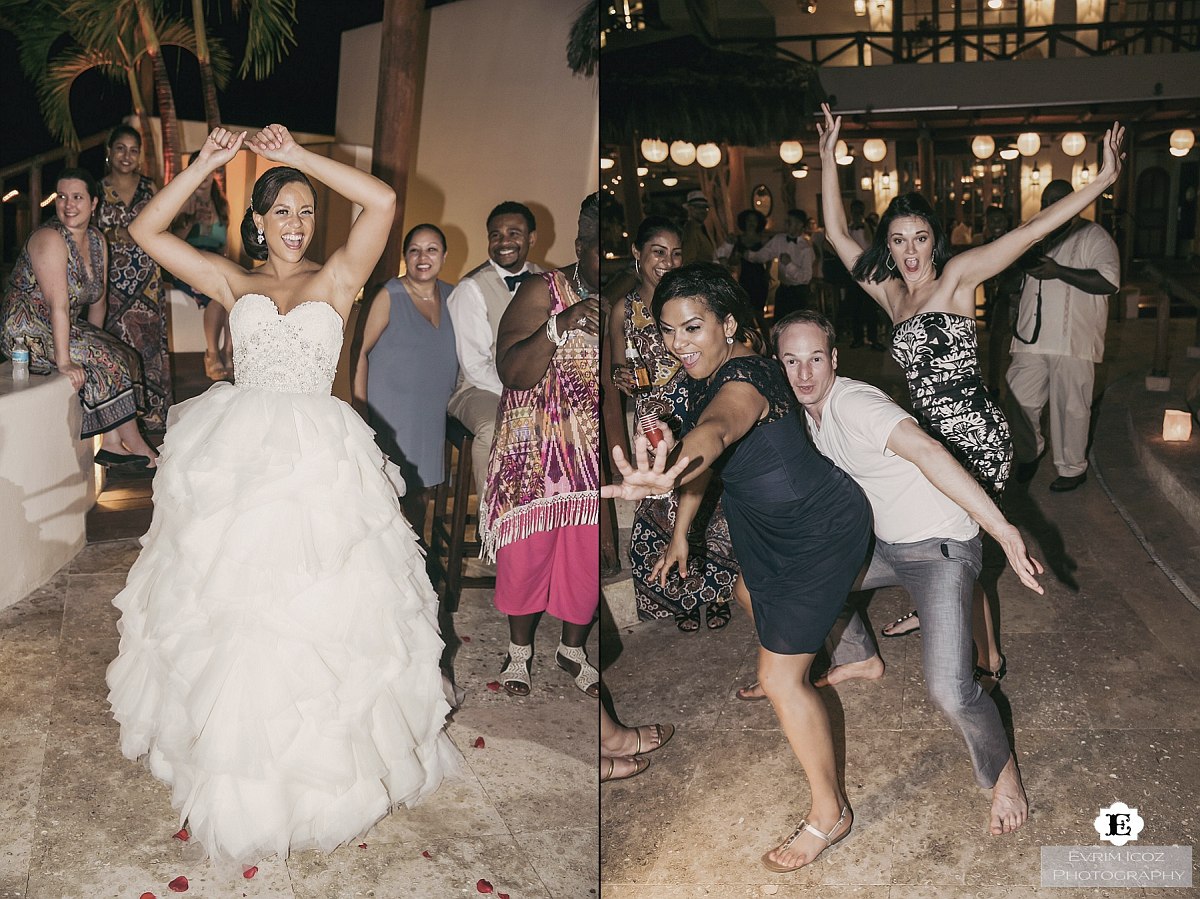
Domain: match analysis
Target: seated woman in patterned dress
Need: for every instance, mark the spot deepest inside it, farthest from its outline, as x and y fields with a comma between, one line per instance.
x=62, y=270
x=706, y=570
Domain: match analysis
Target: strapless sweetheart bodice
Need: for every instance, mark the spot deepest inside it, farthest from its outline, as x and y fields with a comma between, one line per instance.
x=293, y=353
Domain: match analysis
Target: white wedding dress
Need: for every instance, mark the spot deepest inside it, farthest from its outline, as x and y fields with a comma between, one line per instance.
x=279, y=652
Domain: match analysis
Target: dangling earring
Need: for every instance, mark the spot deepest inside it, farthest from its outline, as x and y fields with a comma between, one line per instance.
x=729, y=340
x=261, y=239
x=637, y=269
x=890, y=264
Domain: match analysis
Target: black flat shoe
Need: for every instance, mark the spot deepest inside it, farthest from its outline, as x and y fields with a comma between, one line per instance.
x=1063, y=484
x=104, y=457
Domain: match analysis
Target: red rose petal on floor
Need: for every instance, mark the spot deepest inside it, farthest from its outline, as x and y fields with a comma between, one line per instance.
x=479, y=744
x=502, y=896
x=362, y=845
x=178, y=885
x=465, y=639
x=182, y=836
x=147, y=896
x=250, y=872
x=426, y=854
x=483, y=886
x=494, y=686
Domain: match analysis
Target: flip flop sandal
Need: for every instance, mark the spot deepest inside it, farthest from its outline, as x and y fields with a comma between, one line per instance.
x=664, y=732
x=795, y=835
x=904, y=633
x=639, y=765
x=688, y=621
x=717, y=615
x=743, y=693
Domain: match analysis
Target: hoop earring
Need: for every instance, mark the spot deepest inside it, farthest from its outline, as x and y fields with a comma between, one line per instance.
x=890, y=264
x=637, y=269
x=261, y=238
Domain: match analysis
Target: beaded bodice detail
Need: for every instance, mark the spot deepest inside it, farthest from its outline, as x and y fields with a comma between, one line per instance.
x=293, y=353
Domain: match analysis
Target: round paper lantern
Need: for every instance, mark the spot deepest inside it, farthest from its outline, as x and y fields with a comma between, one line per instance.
x=983, y=146
x=874, y=150
x=683, y=153
x=708, y=155
x=840, y=149
x=654, y=150
x=1073, y=143
x=791, y=151
x=1182, y=140
x=1028, y=143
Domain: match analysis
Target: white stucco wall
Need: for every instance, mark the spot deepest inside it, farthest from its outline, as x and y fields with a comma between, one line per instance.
x=501, y=118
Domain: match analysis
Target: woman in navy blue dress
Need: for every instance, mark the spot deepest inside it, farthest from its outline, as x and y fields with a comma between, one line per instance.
x=800, y=526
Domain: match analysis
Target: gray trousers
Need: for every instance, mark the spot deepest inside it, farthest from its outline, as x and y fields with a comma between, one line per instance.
x=1065, y=383
x=940, y=577
x=476, y=409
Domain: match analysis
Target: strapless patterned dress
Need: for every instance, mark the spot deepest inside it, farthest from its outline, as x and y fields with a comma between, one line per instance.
x=939, y=352
x=279, y=651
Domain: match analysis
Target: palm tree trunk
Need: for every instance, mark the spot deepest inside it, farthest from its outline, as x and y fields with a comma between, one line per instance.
x=162, y=92
x=149, y=146
x=212, y=111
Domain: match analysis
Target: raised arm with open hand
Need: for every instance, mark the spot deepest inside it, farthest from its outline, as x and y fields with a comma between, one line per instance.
x=650, y=477
x=837, y=234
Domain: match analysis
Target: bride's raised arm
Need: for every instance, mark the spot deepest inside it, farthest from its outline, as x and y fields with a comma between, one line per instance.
x=351, y=265
x=207, y=273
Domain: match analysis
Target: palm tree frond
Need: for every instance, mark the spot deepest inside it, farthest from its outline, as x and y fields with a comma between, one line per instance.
x=269, y=35
x=583, y=44
x=54, y=90
x=178, y=33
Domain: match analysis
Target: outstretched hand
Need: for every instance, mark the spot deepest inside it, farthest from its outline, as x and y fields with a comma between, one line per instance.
x=220, y=147
x=649, y=477
x=1026, y=567
x=274, y=143
x=1114, y=156
x=827, y=134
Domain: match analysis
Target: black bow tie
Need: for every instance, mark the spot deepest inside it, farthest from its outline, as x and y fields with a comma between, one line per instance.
x=514, y=281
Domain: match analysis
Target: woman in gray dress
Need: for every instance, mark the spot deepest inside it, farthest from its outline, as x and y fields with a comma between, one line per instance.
x=406, y=368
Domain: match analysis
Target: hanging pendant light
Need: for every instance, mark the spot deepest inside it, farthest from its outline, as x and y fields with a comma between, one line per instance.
x=983, y=146
x=708, y=155
x=654, y=150
x=791, y=151
x=683, y=152
x=1029, y=143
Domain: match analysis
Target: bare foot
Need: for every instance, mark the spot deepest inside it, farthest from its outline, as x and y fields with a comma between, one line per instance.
x=1010, y=808
x=867, y=669
x=804, y=848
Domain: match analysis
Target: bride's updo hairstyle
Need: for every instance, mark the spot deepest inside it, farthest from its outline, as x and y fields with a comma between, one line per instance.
x=713, y=285
x=266, y=189
x=876, y=263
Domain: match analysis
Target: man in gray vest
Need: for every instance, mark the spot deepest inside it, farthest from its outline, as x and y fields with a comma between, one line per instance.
x=476, y=306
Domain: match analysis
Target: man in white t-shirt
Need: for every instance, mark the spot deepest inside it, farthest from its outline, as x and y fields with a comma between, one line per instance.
x=1057, y=341
x=476, y=306
x=926, y=508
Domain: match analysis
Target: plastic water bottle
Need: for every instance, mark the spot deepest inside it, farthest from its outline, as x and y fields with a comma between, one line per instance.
x=20, y=360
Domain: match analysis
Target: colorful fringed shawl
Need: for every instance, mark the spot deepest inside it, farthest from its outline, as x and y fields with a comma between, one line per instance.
x=544, y=468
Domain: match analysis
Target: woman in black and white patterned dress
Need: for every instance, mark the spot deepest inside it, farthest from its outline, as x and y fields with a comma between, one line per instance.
x=930, y=298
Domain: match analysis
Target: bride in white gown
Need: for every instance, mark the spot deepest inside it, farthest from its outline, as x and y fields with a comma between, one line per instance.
x=278, y=664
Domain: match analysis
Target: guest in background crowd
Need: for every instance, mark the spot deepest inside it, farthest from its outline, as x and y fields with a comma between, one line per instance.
x=204, y=223
x=1058, y=337
x=405, y=369
x=753, y=276
x=1001, y=295
x=137, y=297
x=476, y=306
x=689, y=530
x=539, y=516
x=796, y=258
x=61, y=272
x=698, y=244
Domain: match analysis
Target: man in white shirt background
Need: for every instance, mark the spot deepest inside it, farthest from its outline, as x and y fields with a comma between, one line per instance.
x=927, y=513
x=795, y=253
x=476, y=306
x=1057, y=340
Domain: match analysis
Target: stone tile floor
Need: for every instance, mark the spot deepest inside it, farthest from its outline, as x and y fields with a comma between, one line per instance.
x=79, y=820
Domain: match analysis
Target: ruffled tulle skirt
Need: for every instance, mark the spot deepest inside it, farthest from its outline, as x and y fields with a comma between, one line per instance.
x=279, y=652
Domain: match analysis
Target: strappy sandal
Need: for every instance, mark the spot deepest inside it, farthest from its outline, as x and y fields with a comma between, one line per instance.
x=588, y=678
x=688, y=621
x=639, y=765
x=746, y=693
x=515, y=673
x=803, y=826
x=911, y=616
x=664, y=732
x=717, y=615
x=993, y=676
